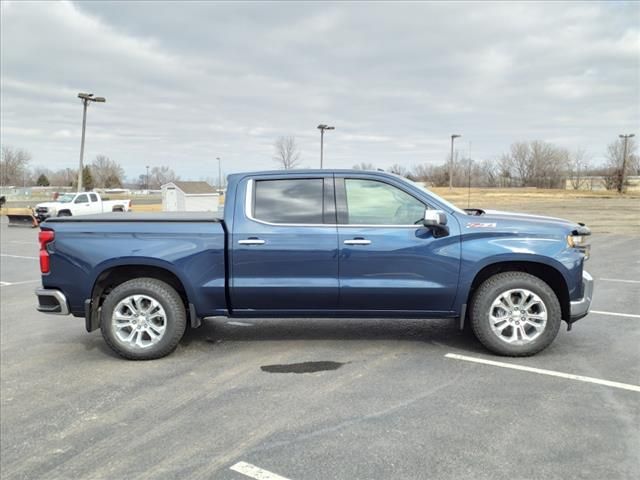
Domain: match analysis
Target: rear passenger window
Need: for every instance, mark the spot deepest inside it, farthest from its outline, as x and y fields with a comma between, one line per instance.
x=288, y=201
x=94, y=197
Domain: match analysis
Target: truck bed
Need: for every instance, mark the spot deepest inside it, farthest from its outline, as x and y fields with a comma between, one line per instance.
x=191, y=246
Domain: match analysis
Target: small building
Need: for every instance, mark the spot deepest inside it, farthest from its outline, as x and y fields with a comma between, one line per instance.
x=189, y=197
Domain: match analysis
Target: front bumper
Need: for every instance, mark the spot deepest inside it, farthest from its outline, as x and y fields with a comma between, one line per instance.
x=580, y=308
x=52, y=301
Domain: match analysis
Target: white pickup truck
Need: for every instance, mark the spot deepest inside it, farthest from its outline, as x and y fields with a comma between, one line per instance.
x=82, y=203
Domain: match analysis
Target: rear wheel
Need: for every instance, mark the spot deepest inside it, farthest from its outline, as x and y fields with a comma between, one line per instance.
x=143, y=319
x=515, y=314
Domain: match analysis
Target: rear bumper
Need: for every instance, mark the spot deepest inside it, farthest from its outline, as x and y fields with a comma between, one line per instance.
x=580, y=308
x=52, y=301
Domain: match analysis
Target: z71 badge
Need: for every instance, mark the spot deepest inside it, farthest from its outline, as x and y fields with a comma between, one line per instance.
x=481, y=225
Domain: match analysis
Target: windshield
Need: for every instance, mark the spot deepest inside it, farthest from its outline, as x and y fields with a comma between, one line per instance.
x=439, y=198
x=67, y=198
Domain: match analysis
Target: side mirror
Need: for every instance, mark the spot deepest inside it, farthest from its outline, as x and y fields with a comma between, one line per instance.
x=434, y=218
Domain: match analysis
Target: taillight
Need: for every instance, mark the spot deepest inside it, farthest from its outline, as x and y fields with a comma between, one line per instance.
x=45, y=237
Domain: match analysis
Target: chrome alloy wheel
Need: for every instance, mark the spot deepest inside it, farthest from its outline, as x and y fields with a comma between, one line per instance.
x=139, y=320
x=518, y=316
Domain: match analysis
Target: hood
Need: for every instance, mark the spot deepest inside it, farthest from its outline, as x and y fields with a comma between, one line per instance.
x=496, y=220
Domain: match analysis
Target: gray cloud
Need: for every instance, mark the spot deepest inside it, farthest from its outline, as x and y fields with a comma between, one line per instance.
x=186, y=82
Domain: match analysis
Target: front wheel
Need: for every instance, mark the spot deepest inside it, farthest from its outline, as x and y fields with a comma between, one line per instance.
x=143, y=319
x=515, y=314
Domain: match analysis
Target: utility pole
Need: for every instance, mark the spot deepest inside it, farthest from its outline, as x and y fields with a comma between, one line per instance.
x=453, y=137
x=469, y=179
x=219, y=174
x=624, y=160
x=85, y=98
x=322, y=127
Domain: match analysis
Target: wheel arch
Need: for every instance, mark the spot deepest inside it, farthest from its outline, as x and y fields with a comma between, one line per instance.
x=547, y=273
x=115, y=275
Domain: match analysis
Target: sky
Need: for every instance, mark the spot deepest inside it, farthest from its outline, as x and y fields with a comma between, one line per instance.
x=187, y=82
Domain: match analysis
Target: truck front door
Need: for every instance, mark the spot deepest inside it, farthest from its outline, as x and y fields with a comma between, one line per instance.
x=388, y=260
x=284, y=246
x=82, y=205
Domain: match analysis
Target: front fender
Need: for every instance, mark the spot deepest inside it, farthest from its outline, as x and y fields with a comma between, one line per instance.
x=480, y=251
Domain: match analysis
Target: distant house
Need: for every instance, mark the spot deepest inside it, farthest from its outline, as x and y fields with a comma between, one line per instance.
x=189, y=197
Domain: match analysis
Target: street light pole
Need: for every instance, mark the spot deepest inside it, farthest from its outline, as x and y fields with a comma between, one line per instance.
x=219, y=174
x=84, y=125
x=322, y=127
x=453, y=137
x=624, y=160
x=85, y=98
x=147, y=178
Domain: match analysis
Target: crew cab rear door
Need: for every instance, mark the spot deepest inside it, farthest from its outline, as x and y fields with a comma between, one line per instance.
x=388, y=259
x=284, y=245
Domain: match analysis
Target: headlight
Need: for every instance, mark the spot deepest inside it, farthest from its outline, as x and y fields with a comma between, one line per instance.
x=579, y=242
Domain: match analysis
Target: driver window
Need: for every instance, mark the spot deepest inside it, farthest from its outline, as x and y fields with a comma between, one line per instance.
x=81, y=199
x=375, y=203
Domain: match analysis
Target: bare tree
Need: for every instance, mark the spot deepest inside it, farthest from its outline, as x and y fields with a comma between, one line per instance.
x=399, y=170
x=436, y=175
x=286, y=154
x=158, y=176
x=63, y=177
x=106, y=173
x=490, y=173
x=534, y=164
x=577, y=168
x=14, y=166
x=615, y=159
x=364, y=166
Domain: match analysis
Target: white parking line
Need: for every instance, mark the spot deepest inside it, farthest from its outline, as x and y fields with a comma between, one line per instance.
x=619, y=280
x=18, y=256
x=8, y=284
x=542, y=371
x=630, y=315
x=255, y=472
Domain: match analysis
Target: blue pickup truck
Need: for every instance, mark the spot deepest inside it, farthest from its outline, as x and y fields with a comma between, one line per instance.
x=317, y=243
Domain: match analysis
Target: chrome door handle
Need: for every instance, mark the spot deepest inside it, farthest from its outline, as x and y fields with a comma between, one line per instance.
x=252, y=241
x=357, y=241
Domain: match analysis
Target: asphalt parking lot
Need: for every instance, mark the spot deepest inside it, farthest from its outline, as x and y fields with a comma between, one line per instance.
x=390, y=405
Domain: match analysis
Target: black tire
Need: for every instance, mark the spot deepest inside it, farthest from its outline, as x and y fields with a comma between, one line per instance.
x=64, y=213
x=175, y=319
x=481, y=309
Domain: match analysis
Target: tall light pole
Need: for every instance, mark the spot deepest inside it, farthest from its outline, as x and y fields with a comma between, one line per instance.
x=624, y=160
x=219, y=174
x=453, y=137
x=147, y=178
x=85, y=98
x=322, y=127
